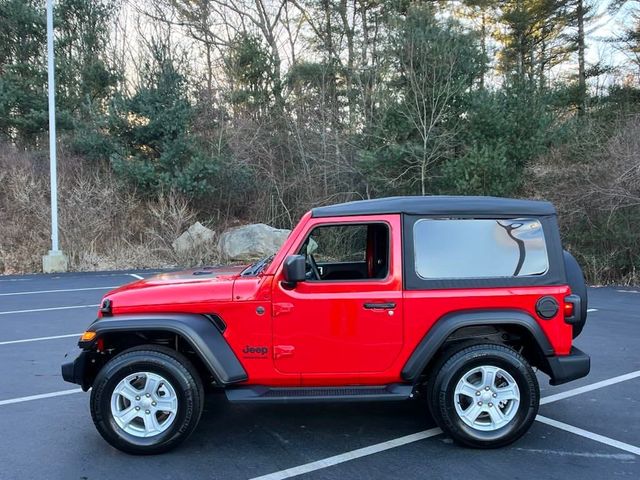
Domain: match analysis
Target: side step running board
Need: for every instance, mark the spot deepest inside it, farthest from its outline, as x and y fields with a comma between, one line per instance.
x=396, y=391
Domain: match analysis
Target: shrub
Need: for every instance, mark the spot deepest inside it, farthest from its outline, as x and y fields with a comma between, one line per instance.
x=104, y=224
x=484, y=170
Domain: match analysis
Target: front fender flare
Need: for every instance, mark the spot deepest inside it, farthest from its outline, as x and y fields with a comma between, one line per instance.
x=445, y=326
x=201, y=334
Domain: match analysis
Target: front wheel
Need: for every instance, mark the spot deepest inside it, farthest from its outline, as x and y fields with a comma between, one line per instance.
x=147, y=400
x=485, y=396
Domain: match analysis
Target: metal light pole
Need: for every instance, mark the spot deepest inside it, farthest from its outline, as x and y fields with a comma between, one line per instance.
x=55, y=261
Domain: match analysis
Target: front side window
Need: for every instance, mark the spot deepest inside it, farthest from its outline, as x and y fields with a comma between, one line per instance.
x=475, y=248
x=347, y=252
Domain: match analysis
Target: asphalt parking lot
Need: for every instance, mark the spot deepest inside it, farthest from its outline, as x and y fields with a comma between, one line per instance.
x=586, y=429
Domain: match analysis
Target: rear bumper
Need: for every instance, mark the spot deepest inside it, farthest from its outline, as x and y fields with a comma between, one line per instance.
x=563, y=369
x=75, y=371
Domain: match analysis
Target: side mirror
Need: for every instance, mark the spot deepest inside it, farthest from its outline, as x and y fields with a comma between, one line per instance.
x=294, y=270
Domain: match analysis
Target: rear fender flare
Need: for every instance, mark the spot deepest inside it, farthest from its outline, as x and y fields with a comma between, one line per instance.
x=429, y=346
x=201, y=334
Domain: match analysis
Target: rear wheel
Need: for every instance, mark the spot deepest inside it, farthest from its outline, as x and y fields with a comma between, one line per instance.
x=484, y=396
x=147, y=400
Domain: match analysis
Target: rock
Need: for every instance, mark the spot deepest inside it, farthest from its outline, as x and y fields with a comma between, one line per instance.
x=196, y=236
x=251, y=242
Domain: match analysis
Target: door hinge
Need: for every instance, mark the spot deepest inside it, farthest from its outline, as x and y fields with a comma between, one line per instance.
x=280, y=308
x=281, y=351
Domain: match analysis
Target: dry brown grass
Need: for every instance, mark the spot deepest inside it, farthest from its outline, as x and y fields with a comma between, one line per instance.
x=104, y=225
x=594, y=182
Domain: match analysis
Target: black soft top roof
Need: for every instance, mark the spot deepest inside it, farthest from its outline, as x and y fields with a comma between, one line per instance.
x=438, y=205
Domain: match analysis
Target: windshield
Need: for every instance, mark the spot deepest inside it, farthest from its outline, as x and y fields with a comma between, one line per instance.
x=257, y=267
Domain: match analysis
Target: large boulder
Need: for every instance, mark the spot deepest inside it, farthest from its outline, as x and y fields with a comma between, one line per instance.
x=251, y=242
x=195, y=237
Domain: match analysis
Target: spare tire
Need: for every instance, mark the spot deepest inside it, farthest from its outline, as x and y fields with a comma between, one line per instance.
x=575, y=279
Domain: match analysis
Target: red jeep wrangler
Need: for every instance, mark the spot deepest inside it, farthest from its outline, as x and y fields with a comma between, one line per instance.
x=453, y=298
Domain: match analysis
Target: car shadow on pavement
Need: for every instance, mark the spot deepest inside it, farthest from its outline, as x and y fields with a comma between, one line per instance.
x=312, y=429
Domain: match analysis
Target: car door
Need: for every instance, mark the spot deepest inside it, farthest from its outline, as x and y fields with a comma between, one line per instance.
x=349, y=321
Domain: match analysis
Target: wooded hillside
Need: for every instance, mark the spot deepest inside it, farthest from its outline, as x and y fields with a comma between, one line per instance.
x=232, y=111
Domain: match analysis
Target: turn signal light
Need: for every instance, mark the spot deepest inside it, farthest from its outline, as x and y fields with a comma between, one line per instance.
x=568, y=309
x=87, y=336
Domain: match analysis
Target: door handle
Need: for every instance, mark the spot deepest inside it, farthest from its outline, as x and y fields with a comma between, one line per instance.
x=385, y=306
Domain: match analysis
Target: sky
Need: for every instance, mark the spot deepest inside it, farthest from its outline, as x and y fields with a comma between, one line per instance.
x=603, y=27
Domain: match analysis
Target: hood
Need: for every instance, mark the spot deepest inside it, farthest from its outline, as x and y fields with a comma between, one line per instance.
x=167, y=291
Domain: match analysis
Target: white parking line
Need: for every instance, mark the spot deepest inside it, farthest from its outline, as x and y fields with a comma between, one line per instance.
x=48, y=309
x=58, y=291
x=588, y=388
x=26, y=340
x=121, y=274
x=590, y=435
x=415, y=437
x=139, y=277
x=592, y=309
x=628, y=291
x=352, y=455
x=573, y=453
x=38, y=397
x=380, y=447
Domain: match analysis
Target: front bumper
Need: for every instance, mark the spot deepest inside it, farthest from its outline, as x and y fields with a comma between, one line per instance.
x=78, y=370
x=563, y=369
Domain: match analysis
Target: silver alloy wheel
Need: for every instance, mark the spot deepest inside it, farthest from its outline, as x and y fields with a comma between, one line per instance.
x=486, y=398
x=144, y=404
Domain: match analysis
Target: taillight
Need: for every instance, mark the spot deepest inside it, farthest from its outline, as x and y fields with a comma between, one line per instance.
x=572, y=309
x=568, y=309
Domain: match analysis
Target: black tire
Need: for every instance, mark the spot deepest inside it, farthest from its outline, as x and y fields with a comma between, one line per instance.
x=441, y=398
x=446, y=353
x=169, y=364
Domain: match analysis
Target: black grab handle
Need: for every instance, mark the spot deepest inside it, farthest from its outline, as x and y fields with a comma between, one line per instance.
x=380, y=305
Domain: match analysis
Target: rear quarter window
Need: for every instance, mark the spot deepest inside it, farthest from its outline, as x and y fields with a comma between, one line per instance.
x=479, y=248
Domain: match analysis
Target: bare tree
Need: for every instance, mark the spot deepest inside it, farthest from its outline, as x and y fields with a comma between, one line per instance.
x=431, y=64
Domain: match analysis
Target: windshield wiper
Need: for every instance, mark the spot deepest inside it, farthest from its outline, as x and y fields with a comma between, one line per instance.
x=257, y=267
